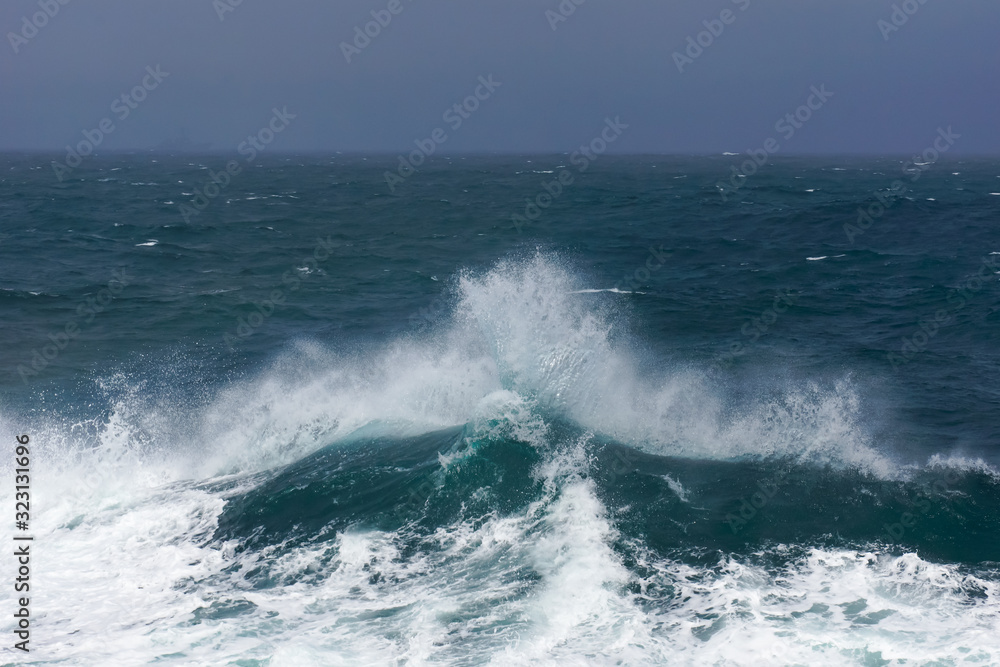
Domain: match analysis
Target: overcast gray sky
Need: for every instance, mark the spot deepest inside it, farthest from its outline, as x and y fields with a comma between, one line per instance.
x=891, y=89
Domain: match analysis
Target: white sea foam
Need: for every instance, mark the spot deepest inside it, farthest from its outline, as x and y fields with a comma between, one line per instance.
x=129, y=575
x=568, y=356
x=676, y=487
x=520, y=328
x=613, y=290
x=127, y=571
x=829, y=607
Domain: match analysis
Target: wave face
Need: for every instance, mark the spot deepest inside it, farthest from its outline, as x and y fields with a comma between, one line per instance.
x=528, y=476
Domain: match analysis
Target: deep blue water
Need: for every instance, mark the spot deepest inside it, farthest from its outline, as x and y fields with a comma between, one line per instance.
x=660, y=422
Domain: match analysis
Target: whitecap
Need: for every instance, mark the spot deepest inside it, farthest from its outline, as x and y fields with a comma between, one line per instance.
x=676, y=487
x=613, y=290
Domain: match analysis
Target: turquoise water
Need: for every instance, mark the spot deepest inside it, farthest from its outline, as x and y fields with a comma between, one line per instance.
x=319, y=422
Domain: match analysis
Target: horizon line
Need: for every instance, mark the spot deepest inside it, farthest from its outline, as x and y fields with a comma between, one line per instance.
x=478, y=153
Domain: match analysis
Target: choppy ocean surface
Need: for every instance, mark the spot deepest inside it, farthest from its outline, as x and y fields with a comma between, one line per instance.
x=660, y=421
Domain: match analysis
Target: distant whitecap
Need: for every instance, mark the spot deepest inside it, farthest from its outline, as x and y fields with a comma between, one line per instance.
x=613, y=290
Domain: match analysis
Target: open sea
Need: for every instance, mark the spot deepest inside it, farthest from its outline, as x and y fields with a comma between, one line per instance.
x=507, y=411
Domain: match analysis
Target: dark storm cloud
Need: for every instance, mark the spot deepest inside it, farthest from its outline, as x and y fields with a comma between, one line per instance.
x=690, y=76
